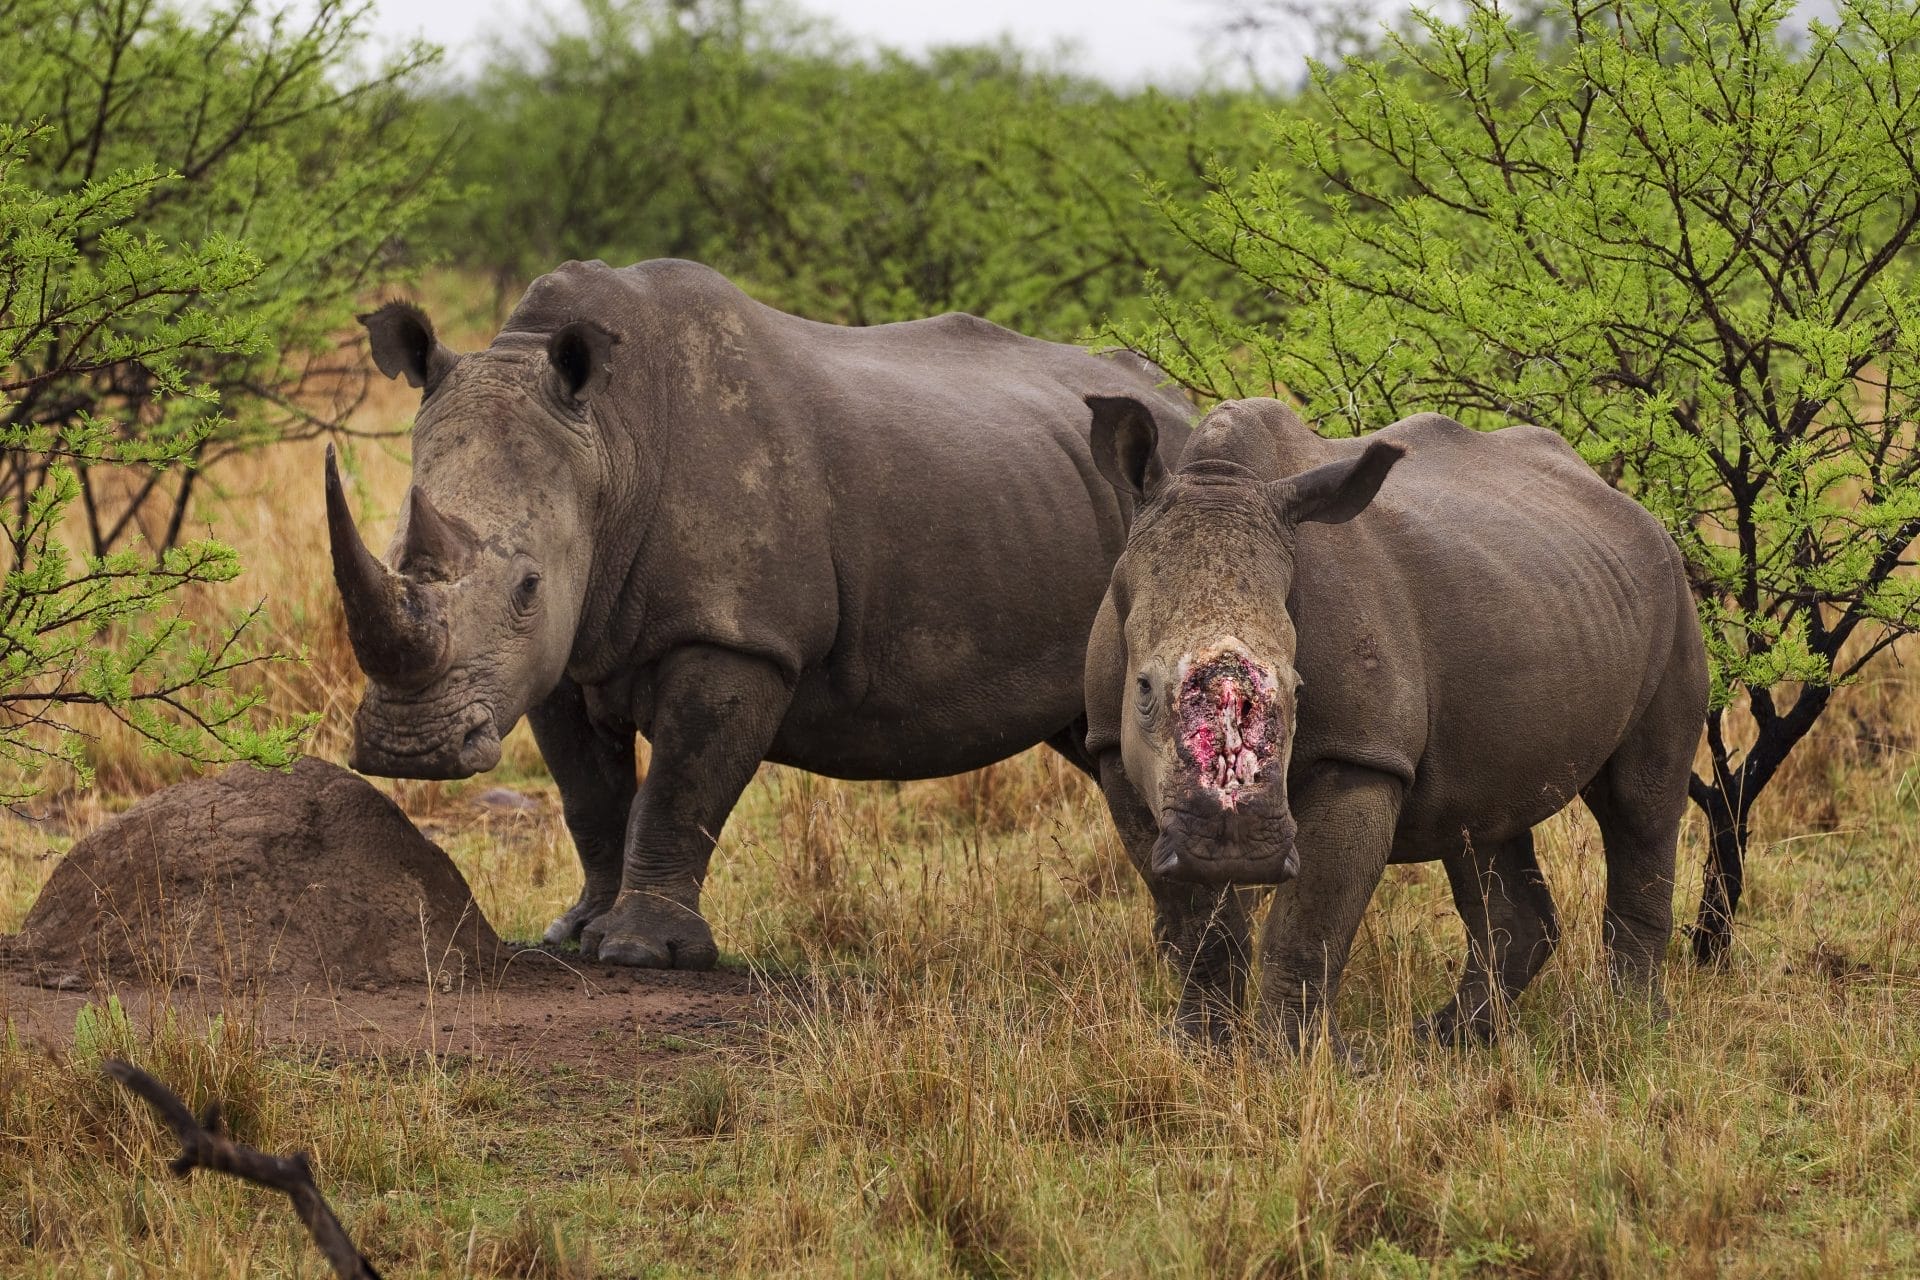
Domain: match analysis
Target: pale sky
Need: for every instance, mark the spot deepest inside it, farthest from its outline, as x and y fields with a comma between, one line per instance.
x=1123, y=41
x=1175, y=43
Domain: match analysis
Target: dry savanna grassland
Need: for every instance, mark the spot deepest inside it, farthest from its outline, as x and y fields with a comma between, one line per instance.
x=960, y=1064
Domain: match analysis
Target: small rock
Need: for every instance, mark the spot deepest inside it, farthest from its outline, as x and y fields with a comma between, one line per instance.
x=506, y=798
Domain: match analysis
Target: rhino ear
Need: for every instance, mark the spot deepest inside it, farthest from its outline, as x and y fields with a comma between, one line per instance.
x=1336, y=492
x=581, y=354
x=403, y=345
x=1124, y=437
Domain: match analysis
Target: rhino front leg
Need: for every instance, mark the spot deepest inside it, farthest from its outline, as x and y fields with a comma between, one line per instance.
x=1346, y=817
x=593, y=767
x=716, y=714
x=1201, y=930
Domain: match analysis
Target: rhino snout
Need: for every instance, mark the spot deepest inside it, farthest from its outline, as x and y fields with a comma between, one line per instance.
x=399, y=742
x=1214, y=844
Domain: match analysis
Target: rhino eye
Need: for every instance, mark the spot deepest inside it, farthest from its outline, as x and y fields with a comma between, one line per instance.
x=1143, y=693
x=525, y=593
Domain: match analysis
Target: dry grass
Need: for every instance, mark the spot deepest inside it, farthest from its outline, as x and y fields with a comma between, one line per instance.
x=973, y=1077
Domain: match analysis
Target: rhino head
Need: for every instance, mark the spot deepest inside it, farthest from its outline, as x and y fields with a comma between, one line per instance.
x=470, y=618
x=1208, y=716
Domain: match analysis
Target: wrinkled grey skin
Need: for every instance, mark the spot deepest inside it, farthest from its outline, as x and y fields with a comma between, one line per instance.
x=655, y=505
x=1461, y=632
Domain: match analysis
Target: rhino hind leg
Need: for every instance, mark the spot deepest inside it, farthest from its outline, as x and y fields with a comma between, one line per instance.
x=594, y=770
x=1512, y=929
x=1638, y=800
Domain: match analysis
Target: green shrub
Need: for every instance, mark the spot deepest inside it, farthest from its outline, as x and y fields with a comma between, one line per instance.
x=190, y=202
x=836, y=184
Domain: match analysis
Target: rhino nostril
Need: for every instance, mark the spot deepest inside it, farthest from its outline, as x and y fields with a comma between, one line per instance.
x=480, y=750
x=1166, y=859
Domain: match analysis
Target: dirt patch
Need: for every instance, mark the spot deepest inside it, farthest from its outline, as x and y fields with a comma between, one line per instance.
x=310, y=877
x=542, y=1010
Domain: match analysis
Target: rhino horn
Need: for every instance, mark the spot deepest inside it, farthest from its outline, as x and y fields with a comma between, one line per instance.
x=435, y=547
x=398, y=639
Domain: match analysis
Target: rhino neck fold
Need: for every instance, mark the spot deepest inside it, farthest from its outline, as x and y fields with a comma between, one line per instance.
x=615, y=607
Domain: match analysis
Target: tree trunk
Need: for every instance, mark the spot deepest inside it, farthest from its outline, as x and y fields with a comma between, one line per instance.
x=1727, y=803
x=1725, y=870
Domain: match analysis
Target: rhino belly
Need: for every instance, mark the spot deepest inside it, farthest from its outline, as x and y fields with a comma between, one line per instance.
x=1492, y=794
x=941, y=727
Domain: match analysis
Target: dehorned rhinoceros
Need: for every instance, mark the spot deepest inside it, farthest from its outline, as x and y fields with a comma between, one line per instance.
x=1320, y=656
x=654, y=504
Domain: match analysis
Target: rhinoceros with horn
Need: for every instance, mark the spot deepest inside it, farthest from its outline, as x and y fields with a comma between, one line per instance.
x=1317, y=657
x=654, y=505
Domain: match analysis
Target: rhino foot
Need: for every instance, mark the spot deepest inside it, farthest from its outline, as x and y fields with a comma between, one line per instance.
x=568, y=927
x=1446, y=1027
x=1203, y=1024
x=650, y=931
x=1216, y=1037
x=1284, y=1035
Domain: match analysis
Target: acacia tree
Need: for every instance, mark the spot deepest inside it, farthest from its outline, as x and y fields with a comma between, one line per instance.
x=1678, y=233
x=264, y=130
x=188, y=204
x=106, y=630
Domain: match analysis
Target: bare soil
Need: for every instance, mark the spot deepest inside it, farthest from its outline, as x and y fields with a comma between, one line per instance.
x=543, y=1009
x=307, y=903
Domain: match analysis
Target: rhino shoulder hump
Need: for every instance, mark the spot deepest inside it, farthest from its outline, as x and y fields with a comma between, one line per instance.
x=1542, y=439
x=1431, y=428
x=1521, y=443
x=680, y=272
x=967, y=326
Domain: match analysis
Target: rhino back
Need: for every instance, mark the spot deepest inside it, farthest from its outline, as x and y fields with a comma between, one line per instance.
x=905, y=518
x=1489, y=628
